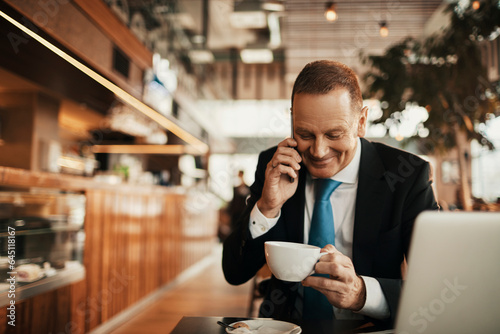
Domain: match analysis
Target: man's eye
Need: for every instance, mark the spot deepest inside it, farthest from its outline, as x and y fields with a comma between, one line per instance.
x=333, y=136
x=304, y=136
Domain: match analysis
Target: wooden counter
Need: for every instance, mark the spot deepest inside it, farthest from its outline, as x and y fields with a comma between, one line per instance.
x=138, y=238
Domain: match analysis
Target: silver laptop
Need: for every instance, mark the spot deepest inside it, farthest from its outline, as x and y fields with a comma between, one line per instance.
x=453, y=279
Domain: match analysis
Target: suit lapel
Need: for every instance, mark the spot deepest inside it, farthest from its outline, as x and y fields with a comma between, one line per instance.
x=370, y=197
x=295, y=210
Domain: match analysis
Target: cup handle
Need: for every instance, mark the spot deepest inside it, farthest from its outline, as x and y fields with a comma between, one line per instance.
x=319, y=257
x=321, y=254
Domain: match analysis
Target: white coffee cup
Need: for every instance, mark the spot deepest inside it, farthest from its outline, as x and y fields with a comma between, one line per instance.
x=290, y=261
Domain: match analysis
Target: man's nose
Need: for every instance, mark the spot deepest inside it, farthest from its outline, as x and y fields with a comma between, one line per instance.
x=319, y=148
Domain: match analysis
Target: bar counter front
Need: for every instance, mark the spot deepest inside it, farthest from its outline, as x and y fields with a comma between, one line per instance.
x=134, y=240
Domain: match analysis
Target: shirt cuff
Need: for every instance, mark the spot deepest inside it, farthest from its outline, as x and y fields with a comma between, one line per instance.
x=260, y=224
x=376, y=305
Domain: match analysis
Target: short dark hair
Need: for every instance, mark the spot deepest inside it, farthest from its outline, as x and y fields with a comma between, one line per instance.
x=323, y=76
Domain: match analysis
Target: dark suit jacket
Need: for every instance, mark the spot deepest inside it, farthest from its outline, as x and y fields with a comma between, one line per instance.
x=394, y=186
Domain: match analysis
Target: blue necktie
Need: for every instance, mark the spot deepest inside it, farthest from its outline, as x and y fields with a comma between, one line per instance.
x=321, y=233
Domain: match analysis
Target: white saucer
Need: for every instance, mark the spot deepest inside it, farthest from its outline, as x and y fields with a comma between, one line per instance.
x=259, y=325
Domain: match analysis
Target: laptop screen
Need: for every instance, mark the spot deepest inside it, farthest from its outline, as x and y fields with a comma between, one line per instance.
x=452, y=283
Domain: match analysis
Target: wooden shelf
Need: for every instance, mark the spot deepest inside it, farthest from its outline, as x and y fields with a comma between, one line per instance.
x=17, y=177
x=74, y=272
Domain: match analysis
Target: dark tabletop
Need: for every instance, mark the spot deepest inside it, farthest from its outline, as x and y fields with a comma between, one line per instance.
x=208, y=325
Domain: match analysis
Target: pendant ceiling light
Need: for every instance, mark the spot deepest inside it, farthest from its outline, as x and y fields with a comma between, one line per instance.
x=330, y=13
x=384, y=30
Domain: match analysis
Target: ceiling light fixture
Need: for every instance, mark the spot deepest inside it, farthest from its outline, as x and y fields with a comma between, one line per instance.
x=256, y=56
x=201, y=56
x=273, y=6
x=384, y=30
x=330, y=13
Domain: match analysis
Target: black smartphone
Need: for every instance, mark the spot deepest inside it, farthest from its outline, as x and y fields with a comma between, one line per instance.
x=291, y=122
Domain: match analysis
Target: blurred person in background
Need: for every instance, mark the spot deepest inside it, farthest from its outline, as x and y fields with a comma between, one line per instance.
x=230, y=214
x=240, y=194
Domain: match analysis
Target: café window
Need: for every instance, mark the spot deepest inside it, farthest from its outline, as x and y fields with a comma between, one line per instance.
x=450, y=171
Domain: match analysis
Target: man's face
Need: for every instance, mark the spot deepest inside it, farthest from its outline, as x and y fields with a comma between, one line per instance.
x=326, y=130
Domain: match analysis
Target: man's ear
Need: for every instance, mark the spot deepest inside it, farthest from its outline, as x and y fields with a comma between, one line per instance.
x=363, y=122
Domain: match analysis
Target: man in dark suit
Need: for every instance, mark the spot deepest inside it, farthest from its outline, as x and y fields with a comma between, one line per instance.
x=383, y=189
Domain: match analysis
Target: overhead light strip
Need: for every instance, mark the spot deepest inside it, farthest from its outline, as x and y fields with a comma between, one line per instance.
x=200, y=146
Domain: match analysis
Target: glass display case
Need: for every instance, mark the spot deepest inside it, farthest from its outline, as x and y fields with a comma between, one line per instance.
x=41, y=242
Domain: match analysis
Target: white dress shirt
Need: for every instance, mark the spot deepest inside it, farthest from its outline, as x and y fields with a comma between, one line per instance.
x=343, y=201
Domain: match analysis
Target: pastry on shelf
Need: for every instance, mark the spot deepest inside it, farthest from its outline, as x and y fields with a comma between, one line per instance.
x=28, y=272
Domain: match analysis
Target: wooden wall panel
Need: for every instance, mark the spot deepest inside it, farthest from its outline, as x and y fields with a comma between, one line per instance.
x=77, y=306
x=61, y=303
x=134, y=255
x=50, y=312
x=92, y=256
x=23, y=311
x=3, y=324
x=117, y=31
x=119, y=255
x=106, y=253
x=138, y=241
x=17, y=108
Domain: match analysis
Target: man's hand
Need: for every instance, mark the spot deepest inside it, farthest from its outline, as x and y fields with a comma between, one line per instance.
x=278, y=187
x=344, y=289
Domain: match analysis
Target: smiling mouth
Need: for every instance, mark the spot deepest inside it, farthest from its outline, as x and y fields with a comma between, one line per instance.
x=320, y=162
